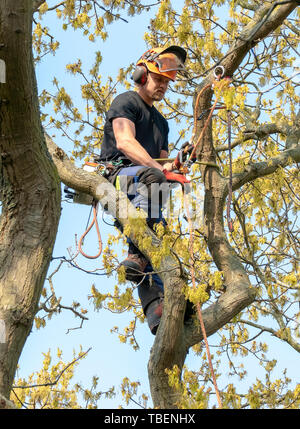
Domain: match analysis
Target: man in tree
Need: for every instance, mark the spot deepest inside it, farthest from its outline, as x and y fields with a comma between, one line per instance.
x=135, y=136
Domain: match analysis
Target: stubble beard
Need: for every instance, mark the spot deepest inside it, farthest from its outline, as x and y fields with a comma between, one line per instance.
x=158, y=95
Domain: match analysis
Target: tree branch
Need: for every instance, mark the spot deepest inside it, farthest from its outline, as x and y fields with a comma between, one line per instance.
x=260, y=132
x=56, y=380
x=253, y=33
x=261, y=169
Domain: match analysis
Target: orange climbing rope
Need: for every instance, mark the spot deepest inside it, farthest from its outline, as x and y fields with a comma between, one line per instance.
x=199, y=312
x=94, y=222
x=222, y=84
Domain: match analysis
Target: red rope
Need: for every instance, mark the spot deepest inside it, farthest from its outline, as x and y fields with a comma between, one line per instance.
x=199, y=312
x=94, y=222
x=229, y=199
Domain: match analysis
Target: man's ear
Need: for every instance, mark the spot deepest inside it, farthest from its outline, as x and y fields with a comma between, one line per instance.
x=140, y=75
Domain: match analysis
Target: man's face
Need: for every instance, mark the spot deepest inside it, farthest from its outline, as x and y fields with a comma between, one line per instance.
x=156, y=86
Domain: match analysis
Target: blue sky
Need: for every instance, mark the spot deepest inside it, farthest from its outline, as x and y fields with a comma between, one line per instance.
x=108, y=359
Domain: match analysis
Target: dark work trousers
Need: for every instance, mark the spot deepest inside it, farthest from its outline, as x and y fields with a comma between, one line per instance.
x=147, y=189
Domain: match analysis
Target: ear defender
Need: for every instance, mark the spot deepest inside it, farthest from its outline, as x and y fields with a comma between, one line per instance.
x=140, y=75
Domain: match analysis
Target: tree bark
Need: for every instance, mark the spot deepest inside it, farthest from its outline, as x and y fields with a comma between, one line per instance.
x=171, y=343
x=30, y=189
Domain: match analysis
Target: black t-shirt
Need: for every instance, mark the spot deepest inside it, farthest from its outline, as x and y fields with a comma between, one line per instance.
x=151, y=127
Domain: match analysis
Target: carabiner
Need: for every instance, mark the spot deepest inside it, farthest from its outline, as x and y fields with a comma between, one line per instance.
x=219, y=75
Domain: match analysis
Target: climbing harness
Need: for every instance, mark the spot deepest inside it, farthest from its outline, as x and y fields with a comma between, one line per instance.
x=2, y=71
x=104, y=169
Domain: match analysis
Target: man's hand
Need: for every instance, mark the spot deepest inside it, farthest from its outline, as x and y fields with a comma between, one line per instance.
x=168, y=166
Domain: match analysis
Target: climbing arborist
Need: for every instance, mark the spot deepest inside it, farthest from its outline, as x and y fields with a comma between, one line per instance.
x=135, y=138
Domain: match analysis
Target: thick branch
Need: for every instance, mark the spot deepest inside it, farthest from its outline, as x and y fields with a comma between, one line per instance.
x=173, y=337
x=261, y=169
x=5, y=404
x=260, y=27
x=257, y=133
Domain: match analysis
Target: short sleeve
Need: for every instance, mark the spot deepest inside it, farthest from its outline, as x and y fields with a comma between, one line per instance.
x=123, y=106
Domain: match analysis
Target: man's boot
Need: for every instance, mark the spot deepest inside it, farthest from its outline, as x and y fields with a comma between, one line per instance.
x=134, y=264
x=153, y=313
x=152, y=299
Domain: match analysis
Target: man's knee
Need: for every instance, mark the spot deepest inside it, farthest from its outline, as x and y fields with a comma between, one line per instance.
x=150, y=175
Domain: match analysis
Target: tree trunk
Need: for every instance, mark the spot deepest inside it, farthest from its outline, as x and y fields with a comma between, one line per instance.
x=168, y=351
x=30, y=189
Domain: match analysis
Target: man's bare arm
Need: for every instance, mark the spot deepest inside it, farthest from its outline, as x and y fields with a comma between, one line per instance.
x=124, y=131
